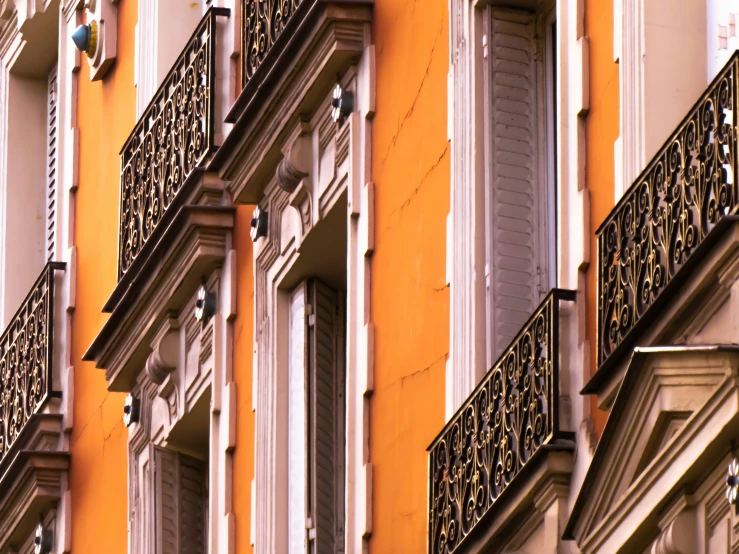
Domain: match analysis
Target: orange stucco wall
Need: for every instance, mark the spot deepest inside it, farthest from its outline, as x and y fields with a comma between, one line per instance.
x=602, y=129
x=243, y=358
x=410, y=300
x=98, y=479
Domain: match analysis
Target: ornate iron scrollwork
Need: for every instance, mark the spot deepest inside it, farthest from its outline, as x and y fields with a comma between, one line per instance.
x=501, y=426
x=26, y=358
x=171, y=139
x=668, y=212
x=263, y=21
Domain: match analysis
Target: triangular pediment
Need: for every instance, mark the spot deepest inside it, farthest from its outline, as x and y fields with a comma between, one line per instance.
x=662, y=389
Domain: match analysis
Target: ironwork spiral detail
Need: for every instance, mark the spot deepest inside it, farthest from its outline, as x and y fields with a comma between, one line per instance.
x=504, y=422
x=668, y=212
x=263, y=23
x=25, y=360
x=170, y=140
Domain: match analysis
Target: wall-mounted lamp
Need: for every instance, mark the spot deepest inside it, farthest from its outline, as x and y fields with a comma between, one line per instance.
x=732, y=483
x=43, y=542
x=258, y=224
x=342, y=104
x=205, y=305
x=85, y=38
x=131, y=410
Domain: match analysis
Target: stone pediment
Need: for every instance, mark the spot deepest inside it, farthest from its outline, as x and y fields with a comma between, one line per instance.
x=673, y=416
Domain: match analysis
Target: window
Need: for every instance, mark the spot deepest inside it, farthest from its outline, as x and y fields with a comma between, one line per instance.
x=161, y=32
x=520, y=168
x=28, y=165
x=316, y=420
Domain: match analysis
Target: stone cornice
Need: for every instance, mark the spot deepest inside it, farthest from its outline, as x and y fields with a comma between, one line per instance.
x=32, y=481
x=193, y=245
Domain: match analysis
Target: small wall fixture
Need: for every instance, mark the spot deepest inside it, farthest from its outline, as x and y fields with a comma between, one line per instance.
x=205, y=305
x=342, y=104
x=732, y=483
x=85, y=38
x=43, y=542
x=258, y=224
x=131, y=410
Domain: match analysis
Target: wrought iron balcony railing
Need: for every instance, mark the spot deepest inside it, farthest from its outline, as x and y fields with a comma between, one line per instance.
x=173, y=137
x=262, y=24
x=26, y=359
x=656, y=229
x=506, y=420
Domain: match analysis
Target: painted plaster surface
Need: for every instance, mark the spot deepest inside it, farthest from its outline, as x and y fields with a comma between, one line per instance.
x=410, y=299
x=98, y=479
x=243, y=359
x=601, y=129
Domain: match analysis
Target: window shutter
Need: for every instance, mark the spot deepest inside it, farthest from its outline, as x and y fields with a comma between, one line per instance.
x=513, y=220
x=51, y=166
x=180, y=503
x=326, y=427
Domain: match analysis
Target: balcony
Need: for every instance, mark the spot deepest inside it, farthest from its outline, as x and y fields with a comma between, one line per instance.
x=171, y=142
x=504, y=424
x=667, y=219
x=26, y=362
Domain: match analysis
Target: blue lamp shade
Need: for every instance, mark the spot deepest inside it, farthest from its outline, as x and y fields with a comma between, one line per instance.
x=81, y=37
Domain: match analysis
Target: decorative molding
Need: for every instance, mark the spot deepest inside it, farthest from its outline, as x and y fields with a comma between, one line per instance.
x=196, y=243
x=629, y=51
x=465, y=232
x=301, y=200
x=34, y=482
x=678, y=537
x=275, y=257
x=296, y=163
x=165, y=352
x=700, y=380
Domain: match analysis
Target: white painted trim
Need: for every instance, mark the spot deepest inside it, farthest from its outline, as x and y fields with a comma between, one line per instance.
x=465, y=234
x=630, y=30
x=292, y=216
x=297, y=423
x=162, y=30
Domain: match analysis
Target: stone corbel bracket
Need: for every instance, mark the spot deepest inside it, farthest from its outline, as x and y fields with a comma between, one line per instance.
x=296, y=163
x=165, y=353
x=293, y=175
x=105, y=15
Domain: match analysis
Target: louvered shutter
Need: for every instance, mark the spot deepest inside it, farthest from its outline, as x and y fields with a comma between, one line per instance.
x=513, y=250
x=180, y=503
x=326, y=420
x=51, y=166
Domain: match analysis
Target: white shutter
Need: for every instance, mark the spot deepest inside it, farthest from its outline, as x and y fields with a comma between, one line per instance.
x=326, y=417
x=297, y=425
x=180, y=503
x=51, y=166
x=513, y=193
